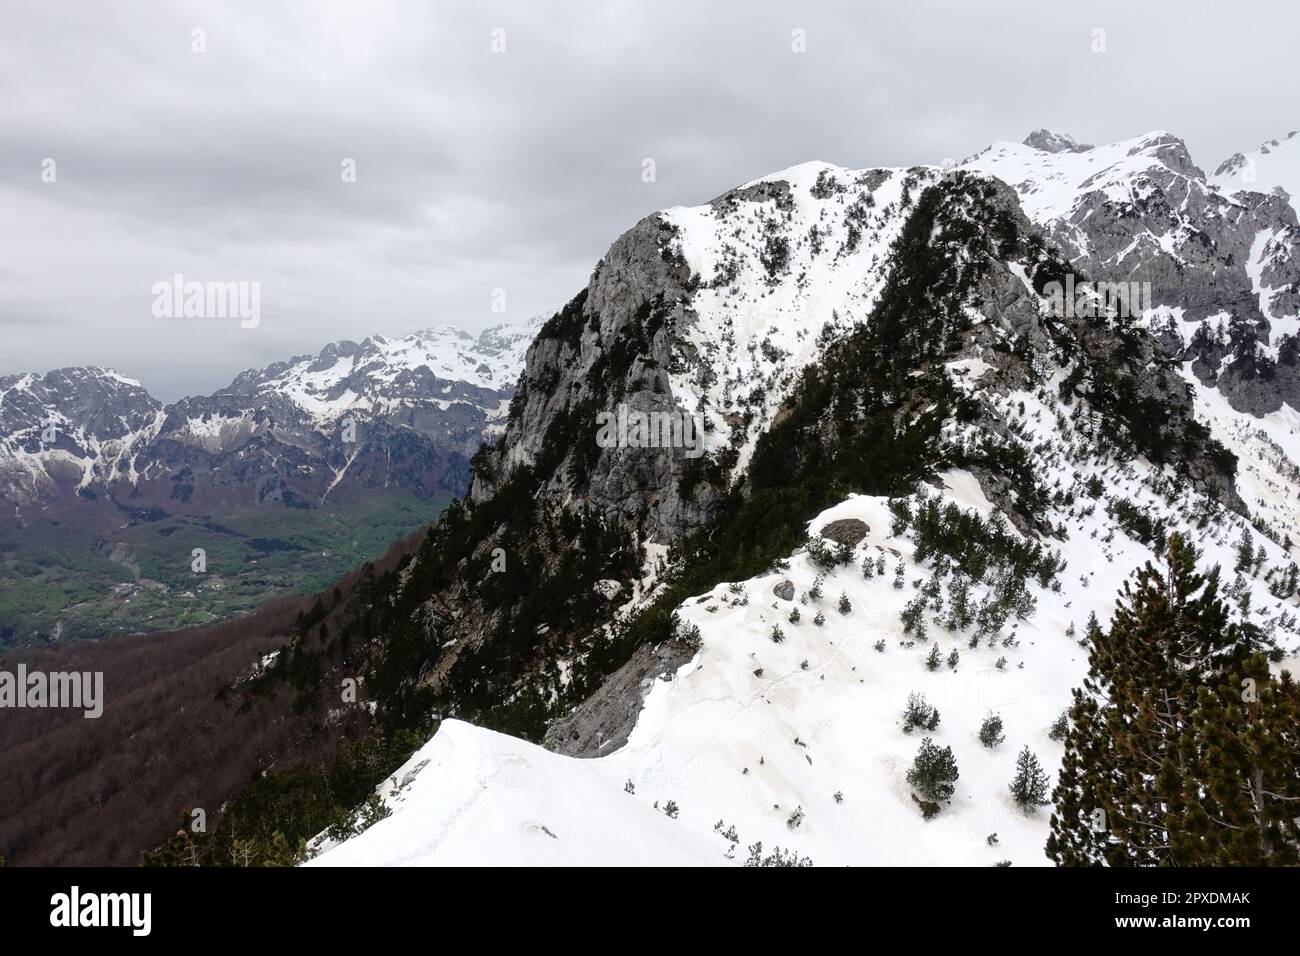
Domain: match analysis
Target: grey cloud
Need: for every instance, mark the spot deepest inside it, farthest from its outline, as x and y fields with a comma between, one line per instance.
x=517, y=170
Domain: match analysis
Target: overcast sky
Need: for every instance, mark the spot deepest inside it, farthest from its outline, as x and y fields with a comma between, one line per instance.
x=479, y=170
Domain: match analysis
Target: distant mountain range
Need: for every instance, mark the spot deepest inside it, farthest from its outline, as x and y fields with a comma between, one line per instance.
x=285, y=478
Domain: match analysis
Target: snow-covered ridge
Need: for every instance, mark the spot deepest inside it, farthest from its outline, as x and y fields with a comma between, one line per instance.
x=786, y=727
x=502, y=801
x=1141, y=210
x=1274, y=165
x=1050, y=182
x=800, y=744
x=382, y=373
x=92, y=379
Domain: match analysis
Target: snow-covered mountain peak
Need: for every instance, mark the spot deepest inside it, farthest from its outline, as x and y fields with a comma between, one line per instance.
x=783, y=722
x=72, y=376
x=76, y=425
x=101, y=400
x=1051, y=182
x=786, y=263
x=800, y=176
x=1052, y=142
x=1275, y=165
x=1199, y=250
x=379, y=373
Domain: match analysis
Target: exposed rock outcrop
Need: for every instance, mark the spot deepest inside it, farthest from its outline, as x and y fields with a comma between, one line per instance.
x=602, y=724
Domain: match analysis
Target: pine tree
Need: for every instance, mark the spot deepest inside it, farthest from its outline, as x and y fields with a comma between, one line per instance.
x=1162, y=765
x=934, y=772
x=991, y=731
x=1060, y=727
x=1244, y=788
x=959, y=609
x=913, y=618
x=1245, y=552
x=1093, y=627
x=1030, y=785
x=919, y=713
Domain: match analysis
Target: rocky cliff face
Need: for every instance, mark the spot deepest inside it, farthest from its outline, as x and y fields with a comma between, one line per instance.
x=1051, y=142
x=612, y=348
x=710, y=312
x=73, y=427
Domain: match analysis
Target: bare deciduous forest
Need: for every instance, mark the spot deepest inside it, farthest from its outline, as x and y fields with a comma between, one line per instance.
x=77, y=791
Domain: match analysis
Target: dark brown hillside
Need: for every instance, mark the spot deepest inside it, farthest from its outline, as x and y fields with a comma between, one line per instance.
x=77, y=791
